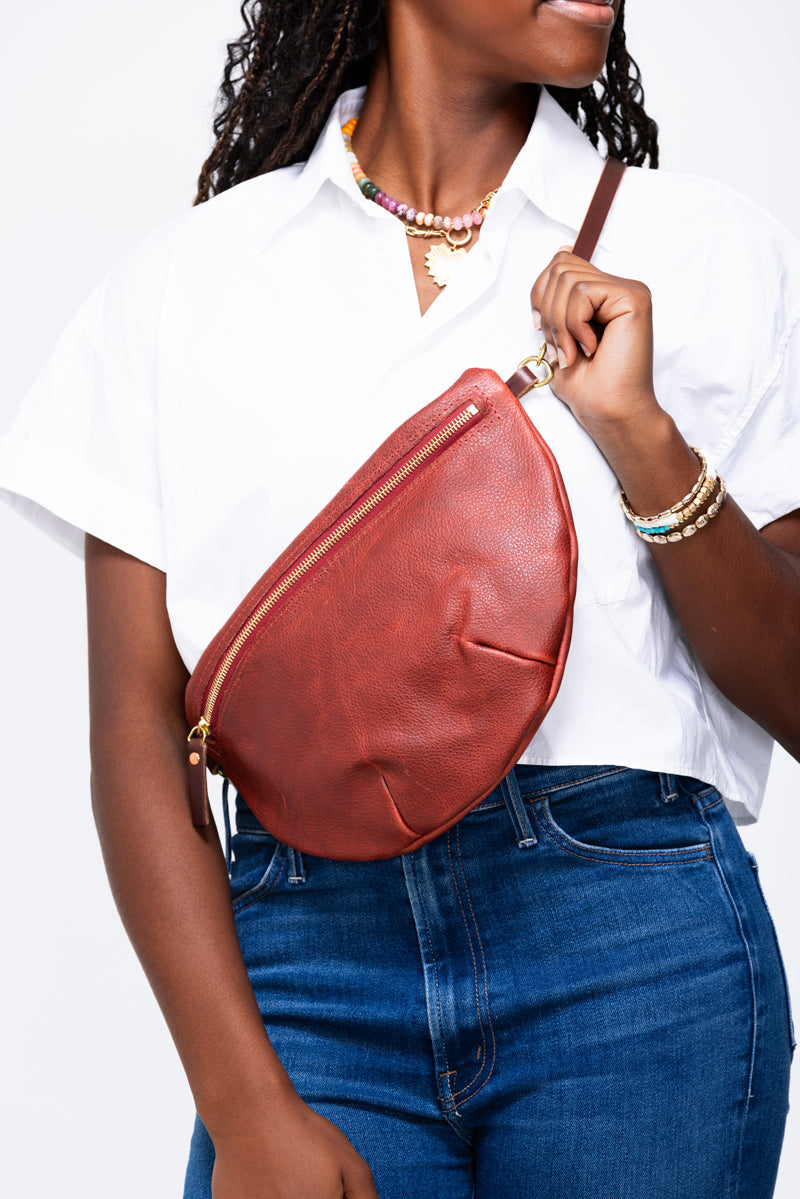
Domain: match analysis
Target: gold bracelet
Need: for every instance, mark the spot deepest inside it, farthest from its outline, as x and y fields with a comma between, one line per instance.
x=666, y=515
x=690, y=529
x=682, y=517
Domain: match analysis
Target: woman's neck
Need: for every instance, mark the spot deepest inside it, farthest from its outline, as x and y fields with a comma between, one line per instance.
x=431, y=134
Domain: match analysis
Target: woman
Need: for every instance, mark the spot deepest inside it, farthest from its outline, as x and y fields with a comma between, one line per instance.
x=517, y=1020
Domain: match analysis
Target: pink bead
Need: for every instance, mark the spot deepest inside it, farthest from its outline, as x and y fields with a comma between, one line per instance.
x=428, y=219
x=477, y=219
x=420, y=218
x=467, y=219
x=379, y=197
x=411, y=215
x=447, y=223
x=402, y=209
x=437, y=222
x=392, y=205
x=458, y=224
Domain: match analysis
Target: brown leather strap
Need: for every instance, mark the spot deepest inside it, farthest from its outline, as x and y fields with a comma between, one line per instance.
x=586, y=241
x=520, y=380
x=584, y=247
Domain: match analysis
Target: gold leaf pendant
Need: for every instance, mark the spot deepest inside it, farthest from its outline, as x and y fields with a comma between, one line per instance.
x=443, y=261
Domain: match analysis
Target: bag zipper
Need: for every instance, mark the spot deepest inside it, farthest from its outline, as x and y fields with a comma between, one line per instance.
x=366, y=506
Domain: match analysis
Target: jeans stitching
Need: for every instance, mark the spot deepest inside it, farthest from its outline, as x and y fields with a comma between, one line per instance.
x=453, y=1118
x=526, y=838
x=454, y=1094
x=607, y=856
x=261, y=889
x=485, y=976
x=447, y=1071
x=572, y=782
x=753, y=1010
x=778, y=951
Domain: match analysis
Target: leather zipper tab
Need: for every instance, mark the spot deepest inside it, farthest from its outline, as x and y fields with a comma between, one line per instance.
x=198, y=782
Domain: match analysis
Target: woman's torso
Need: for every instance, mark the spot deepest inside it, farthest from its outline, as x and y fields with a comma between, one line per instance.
x=264, y=345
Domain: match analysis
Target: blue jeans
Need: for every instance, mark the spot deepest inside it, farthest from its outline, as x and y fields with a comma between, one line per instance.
x=575, y=992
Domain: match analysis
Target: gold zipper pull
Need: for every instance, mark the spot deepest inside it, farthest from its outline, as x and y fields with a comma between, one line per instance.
x=198, y=782
x=201, y=729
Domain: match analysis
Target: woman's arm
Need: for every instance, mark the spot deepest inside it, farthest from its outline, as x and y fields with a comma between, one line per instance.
x=735, y=590
x=171, y=888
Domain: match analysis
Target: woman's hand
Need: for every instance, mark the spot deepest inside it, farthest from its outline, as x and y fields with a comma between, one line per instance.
x=289, y=1153
x=600, y=330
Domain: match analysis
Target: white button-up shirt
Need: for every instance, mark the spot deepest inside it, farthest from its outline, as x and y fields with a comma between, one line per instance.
x=227, y=378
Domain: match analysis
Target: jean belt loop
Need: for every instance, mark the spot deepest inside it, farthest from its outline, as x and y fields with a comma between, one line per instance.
x=226, y=815
x=294, y=865
x=669, y=788
x=523, y=829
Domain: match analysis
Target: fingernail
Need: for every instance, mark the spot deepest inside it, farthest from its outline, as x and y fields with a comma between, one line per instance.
x=562, y=359
x=537, y=320
x=551, y=351
x=588, y=353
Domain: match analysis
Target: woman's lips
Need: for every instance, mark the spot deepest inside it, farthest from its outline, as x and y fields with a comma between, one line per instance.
x=590, y=12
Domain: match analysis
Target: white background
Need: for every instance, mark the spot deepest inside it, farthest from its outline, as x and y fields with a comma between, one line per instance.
x=105, y=121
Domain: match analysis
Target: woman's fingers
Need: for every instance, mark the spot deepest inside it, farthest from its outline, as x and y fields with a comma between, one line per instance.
x=572, y=307
x=563, y=313
x=571, y=297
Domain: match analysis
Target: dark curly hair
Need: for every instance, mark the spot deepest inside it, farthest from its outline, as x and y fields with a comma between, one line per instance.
x=285, y=72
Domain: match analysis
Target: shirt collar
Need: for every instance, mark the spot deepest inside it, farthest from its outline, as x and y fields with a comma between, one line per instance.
x=557, y=168
x=327, y=164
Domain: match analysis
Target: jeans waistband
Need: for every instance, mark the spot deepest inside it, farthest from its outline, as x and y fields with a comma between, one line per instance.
x=527, y=783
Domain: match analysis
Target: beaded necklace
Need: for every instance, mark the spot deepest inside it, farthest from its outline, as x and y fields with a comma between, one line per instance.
x=442, y=260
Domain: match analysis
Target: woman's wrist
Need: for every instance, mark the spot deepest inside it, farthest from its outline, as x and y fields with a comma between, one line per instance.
x=239, y=1099
x=652, y=460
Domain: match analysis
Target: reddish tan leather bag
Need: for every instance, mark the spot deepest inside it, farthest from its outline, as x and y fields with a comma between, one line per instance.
x=390, y=667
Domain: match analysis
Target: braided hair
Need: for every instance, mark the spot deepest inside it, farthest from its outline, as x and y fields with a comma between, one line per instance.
x=284, y=74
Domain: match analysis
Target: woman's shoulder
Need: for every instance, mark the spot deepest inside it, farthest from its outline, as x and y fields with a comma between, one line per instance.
x=675, y=207
x=243, y=216
x=714, y=256
x=200, y=251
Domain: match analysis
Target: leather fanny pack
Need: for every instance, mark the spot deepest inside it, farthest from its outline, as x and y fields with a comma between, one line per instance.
x=390, y=667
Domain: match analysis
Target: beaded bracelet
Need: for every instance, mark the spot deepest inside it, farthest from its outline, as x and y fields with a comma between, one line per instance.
x=663, y=517
x=654, y=524
x=690, y=529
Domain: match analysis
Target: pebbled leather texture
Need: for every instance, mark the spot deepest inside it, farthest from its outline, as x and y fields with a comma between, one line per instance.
x=395, y=687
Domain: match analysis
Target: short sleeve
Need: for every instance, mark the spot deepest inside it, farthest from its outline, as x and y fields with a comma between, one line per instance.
x=81, y=454
x=761, y=468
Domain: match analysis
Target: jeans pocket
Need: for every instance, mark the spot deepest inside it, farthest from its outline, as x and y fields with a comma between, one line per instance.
x=258, y=860
x=789, y=1016
x=627, y=817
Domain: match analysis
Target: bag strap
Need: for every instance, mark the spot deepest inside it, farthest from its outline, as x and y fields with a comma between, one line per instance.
x=584, y=247
x=586, y=241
